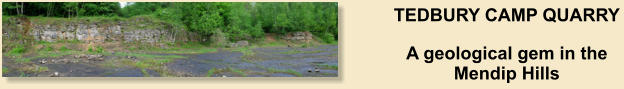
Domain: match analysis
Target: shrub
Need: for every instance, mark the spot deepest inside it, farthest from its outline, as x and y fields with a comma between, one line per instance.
x=5, y=70
x=17, y=50
x=327, y=38
x=97, y=49
x=49, y=48
x=63, y=49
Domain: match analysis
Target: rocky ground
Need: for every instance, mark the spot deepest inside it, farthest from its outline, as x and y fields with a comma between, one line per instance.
x=317, y=61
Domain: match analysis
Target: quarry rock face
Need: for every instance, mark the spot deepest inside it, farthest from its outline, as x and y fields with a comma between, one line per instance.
x=299, y=36
x=101, y=32
x=242, y=43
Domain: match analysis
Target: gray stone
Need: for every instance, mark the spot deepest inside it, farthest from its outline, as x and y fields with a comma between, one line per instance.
x=122, y=31
x=242, y=43
x=298, y=36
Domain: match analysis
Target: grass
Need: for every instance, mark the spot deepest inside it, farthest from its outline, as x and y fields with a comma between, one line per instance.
x=273, y=70
x=27, y=70
x=308, y=45
x=326, y=66
x=97, y=49
x=22, y=74
x=18, y=50
x=53, y=54
x=64, y=49
x=247, y=60
x=327, y=74
x=247, y=51
x=5, y=70
x=185, y=51
x=176, y=48
x=237, y=71
x=5, y=19
x=88, y=19
x=150, y=63
x=68, y=41
x=327, y=38
x=274, y=44
x=149, y=56
x=42, y=69
x=145, y=73
x=141, y=65
x=211, y=72
x=295, y=51
x=48, y=51
x=153, y=64
x=48, y=48
x=23, y=60
x=110, y=64
x=288, y=71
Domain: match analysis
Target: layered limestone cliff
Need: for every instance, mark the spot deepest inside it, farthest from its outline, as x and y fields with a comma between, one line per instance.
x=140, y=30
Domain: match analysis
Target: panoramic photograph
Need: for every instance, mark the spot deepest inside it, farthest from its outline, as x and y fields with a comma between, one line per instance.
x=170, y=39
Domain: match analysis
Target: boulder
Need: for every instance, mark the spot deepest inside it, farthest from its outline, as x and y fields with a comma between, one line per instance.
x=242, y=43
x=298, y=36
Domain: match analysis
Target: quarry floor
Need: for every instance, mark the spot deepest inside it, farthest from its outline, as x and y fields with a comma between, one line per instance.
x=281, y=61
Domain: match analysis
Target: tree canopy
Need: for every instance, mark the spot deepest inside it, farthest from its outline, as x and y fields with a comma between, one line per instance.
x=238, y=20
x=61, y=9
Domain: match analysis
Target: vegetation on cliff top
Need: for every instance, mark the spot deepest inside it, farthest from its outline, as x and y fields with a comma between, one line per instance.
x=233, y=20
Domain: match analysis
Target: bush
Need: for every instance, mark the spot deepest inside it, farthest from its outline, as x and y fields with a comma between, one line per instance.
x=63, y=49
x=97, y=49
x=49, y=48
x=5, y=70
x=327, y=38
x=17, y=50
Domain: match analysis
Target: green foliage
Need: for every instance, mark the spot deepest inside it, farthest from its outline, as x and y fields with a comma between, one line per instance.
x=61, y=9
x=237, y=71
x=17, y=50
x=327, y=38
x=175, y=48
x=64, y=49
x=49, y=48
x=275, y=43
x=289, y=71
x=236, y=20
x=96, y=49
x=5, y=70
x=295, y=51
x=150, y=56
x=22, y=74
x=23, y=60
x=326, y=66
x=247, y=51
x=293, y=72
x=99, y=49
x=145, y=73
x=152, y=64
x=247, y=21
x=42, y=69
x=140, y=64
x=210, y=72
x=44, y=53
